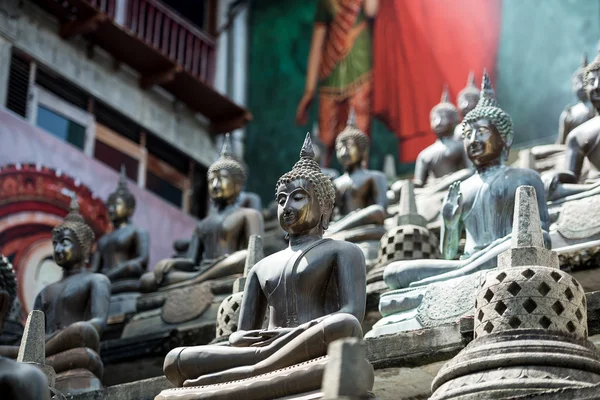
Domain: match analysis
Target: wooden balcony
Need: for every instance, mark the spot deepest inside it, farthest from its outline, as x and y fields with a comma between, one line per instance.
x=163, y=47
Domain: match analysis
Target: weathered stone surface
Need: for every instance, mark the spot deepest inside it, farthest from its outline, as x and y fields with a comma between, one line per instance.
x=527, y=230
x=407, y=212
x=524, y=256
x=347, y=372
x=580, y=219
x=145, y=389
x=33, y=344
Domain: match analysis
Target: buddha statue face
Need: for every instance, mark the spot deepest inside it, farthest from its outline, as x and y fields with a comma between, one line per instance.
x=593, y=87
x=467, y=102
x=442, y=122
x=118, y=209
x=298, y=207
x=222, y=186
x=348, y=152
x=483, y=143
x=67, y=249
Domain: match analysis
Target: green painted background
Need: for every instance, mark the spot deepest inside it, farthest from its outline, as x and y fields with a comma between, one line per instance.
x=540, y=46
x=280, y=33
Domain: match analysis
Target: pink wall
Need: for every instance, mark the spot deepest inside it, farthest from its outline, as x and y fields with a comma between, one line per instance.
x=21, y=142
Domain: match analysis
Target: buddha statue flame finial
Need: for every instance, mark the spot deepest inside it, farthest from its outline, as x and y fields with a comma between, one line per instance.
x=584, y=60
x=445, y=95
x=471, y=80
x=488, y=95
x=352, y=118
x=227, y=148
x=123, y=177
x=307, y=150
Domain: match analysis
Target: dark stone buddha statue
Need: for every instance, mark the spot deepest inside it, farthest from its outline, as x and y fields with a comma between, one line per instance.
x=466, y=101
x=313, y=291
x=122, y=255
x=218, y=247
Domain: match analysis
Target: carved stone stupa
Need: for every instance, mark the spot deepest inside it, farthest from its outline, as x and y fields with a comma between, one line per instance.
x=530, y=324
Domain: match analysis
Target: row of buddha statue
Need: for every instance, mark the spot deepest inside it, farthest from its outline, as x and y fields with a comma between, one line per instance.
x=314, y=290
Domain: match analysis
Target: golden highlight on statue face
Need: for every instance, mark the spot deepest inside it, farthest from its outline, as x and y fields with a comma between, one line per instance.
x=118, y=210
x=67, y=250
x=221, y=185
x=348, y=152
x=483, y=142
x=298, y=208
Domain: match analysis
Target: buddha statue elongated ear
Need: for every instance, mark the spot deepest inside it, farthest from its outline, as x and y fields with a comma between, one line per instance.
x=326, y=215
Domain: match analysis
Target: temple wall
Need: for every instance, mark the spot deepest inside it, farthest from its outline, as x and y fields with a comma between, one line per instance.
x=22, y=143
x=33, y=31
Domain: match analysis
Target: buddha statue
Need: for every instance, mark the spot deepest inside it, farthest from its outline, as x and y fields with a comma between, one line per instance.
x=314, y=291
x=122, y=255
x=446, y=155
x=582, y=143
x=17, y=380
x=433, y=292
x=483, y=204
x=76, y=307
x=575, y=115
x=361, y=194
x=466, y=101
x=321, y=154
x=218, y=246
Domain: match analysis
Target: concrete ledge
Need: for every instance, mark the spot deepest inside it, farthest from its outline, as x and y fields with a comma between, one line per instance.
x=146, y=389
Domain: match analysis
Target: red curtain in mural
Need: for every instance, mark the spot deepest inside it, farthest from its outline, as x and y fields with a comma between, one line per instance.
x=418, y=46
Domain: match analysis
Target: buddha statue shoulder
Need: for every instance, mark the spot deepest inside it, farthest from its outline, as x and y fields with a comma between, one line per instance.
x=313, y=291
x=582, y=143
x=446, y=155
x=77, y=306
x=483, y=204
x=122, y=255
x=218, y=246
x=466, y=101
x=582, y=111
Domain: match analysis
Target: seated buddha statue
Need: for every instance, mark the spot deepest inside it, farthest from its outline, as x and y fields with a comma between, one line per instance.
x=218, y=246
x=466, y=101
x=76, y=307
x=482, y=205
x=314, y=291
x=582, y=111
x=446, y=155
x=361, y=194
x=582, y=143
x=122, y=255
x=17, y=380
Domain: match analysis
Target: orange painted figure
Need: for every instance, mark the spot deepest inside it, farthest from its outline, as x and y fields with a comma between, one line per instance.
x=340, y=64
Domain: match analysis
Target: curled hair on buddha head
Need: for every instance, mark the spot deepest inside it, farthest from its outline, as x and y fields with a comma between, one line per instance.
x=75, y=223
x=593, y=66
x=307, y=168
x=351, y=131
x=122, y=191
x=471, y=89
x=488, y=108
x=445, y=106
x=228, y=162
x=8, y=281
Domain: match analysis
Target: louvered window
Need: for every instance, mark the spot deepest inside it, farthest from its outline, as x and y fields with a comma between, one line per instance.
x=18, y=85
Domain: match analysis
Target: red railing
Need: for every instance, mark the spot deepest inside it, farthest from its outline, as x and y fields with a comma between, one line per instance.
x=162, y=28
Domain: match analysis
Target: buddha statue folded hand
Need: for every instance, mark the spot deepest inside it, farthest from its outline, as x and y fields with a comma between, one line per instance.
x=313, y=291
x=218, y=246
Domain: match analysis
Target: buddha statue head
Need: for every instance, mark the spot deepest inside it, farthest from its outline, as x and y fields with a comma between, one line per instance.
x=351, y=145
x=226, y=176
x=577, y=80
x=121, y=203
x=487, y=130
x=592, y=81
x=8, y=289
x=305, y=196
x=72, y=240
x=444, y=116
x=468, y=97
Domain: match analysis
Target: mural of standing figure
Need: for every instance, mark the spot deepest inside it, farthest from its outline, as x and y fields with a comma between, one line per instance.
x=340, y=64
